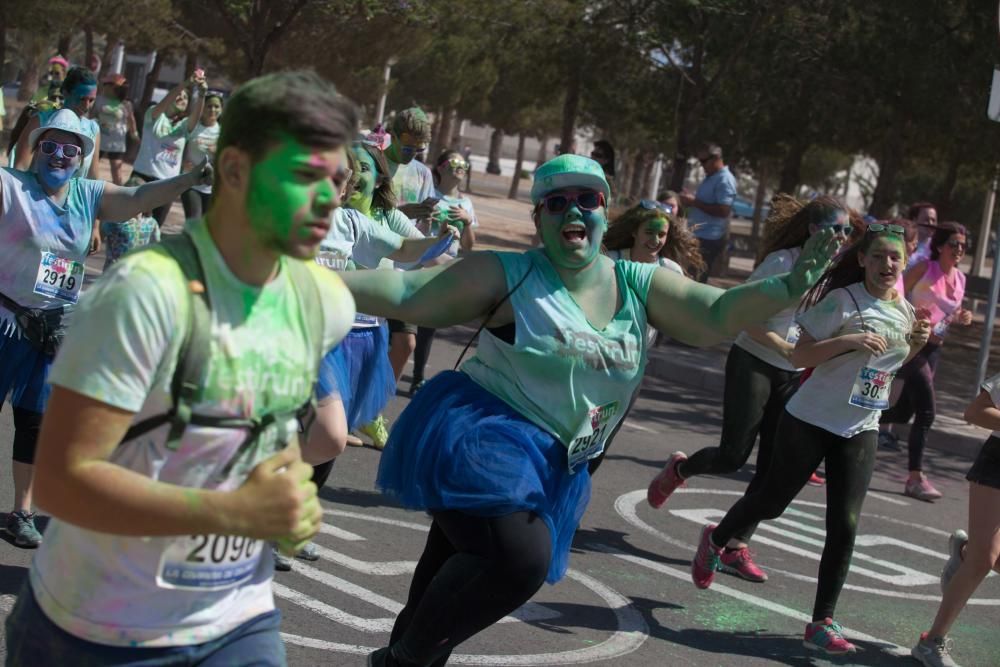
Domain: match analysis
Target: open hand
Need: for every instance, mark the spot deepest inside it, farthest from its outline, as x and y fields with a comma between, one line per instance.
x=814, y=260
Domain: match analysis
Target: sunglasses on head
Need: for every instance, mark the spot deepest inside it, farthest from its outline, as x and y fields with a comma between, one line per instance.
x=588, y=200
x=49, y=147
x=879, y=228
x=653, y=205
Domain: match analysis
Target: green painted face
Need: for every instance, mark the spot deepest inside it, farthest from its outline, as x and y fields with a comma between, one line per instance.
x=293, y=191
x=573, y=237
x=361, y=198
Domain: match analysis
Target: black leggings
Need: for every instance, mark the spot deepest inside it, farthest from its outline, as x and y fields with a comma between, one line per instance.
x=473, y=572
x=195, y=203
x=321, y=473
x=753, y=401
x=799, y=448
x=917, y=400
x=27, y=426
x=422, y=352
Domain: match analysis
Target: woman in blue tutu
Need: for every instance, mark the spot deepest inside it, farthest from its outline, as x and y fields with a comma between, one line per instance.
x=355, y=378
x=497, y=452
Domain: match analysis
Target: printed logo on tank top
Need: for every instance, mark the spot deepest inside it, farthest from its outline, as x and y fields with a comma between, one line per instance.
x=598, y=352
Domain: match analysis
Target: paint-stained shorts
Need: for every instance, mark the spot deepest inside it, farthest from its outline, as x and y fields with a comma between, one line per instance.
x=986, y=469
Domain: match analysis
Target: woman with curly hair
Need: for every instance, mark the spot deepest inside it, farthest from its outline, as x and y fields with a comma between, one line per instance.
x=648, y=232
x=760, y=376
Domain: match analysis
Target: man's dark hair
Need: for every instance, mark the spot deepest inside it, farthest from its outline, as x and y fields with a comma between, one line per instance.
x=917, y=207
x=412, y=121
x=299, y=103
x=77, y=76
x=711, y=149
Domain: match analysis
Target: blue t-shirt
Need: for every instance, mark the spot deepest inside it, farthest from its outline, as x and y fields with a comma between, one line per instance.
x=719, y=188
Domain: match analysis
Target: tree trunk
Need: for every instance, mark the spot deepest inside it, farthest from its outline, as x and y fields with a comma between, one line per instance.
x=147, y=91
x=434, y=146
x=889, y=166
x=571, y=107
x=791, y=167
x=493, y=162
x=88, y=41
x=65, y=43
x=518, y=165
x=543, y=151
x=683, y=140
x=35, y=55
x=635, y=183
x=109, y=51
x=946, y=190
x=758, y=206
x=456, y=133
x=444, y=132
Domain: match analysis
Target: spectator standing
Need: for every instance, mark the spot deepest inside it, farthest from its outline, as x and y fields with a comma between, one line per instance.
x=924, y=216
x=708, y=210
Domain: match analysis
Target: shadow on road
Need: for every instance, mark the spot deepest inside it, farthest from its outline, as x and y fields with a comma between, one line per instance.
x=12, y=578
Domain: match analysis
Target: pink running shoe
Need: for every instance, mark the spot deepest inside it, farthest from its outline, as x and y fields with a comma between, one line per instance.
x=706, y=560
x=740, y=563
x=664, y=484
x=816, y=480
x=827, y=636
x=922, y=490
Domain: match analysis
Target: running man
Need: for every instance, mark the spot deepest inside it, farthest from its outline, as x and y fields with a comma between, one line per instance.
x=155, y=552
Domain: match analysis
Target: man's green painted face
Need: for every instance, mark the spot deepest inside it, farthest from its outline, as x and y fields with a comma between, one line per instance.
x=361, y=198
x=572, y=237
x=292, y=193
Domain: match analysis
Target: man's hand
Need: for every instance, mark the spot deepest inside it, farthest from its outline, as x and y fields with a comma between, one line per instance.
x=814, y=260
x=687, y=199
x=203, y=173
x=278, y=501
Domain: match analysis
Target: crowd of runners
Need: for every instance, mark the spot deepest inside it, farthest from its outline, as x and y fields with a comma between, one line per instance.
x=177, y=418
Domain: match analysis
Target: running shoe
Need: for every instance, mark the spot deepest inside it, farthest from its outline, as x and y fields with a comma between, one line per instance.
x=417, y=385
x=308, y=552
x=282, y=563
x=934, y=652
x=706, y=560
x=354, y=441
x=740, y=563
x=21, y=526
x=816, y=480
x=378, y=658
x=668, y=481
x=956, y=543
x=888, y=441
x=827, y=636
x=921, y=489
x=378, y=431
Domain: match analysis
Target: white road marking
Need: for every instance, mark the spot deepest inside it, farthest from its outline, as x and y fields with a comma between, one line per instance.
x=626, y=504
x=639, y=427
x=632, y=630
x=631, y=634
x=340, y=533
x=887, y=499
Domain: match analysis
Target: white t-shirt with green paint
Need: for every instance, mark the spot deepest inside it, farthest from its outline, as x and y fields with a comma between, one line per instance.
x=122, y=350
x=824, y=399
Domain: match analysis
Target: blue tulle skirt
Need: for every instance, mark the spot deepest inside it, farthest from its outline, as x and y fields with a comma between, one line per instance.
x=359, y=373
x=456, y=446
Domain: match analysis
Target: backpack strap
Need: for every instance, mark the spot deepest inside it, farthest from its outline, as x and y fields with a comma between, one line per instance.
x=192, y=358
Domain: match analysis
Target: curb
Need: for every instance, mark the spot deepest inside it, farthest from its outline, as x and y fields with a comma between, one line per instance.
x=701, y=368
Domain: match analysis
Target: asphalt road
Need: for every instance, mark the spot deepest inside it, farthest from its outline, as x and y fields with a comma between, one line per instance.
x=628, y=598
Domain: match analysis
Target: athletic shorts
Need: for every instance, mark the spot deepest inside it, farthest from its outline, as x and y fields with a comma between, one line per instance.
x=113, y=155
x=398, y=326
x=986, y=469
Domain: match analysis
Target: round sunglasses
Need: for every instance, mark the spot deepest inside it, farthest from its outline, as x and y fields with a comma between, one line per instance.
x=588, y=200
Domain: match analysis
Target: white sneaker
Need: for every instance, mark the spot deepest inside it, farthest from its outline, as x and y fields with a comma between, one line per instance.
x=957, y=540
x=934, y=652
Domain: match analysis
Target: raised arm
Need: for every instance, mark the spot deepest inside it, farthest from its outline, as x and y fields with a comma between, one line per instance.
x=702, y=315
x=168, y=100
x=197, y=104
x=121, y=203
x=442, y=296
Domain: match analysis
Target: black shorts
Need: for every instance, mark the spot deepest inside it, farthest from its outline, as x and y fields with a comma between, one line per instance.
x=398, y=326
x=113, y=155
x=986, y=469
